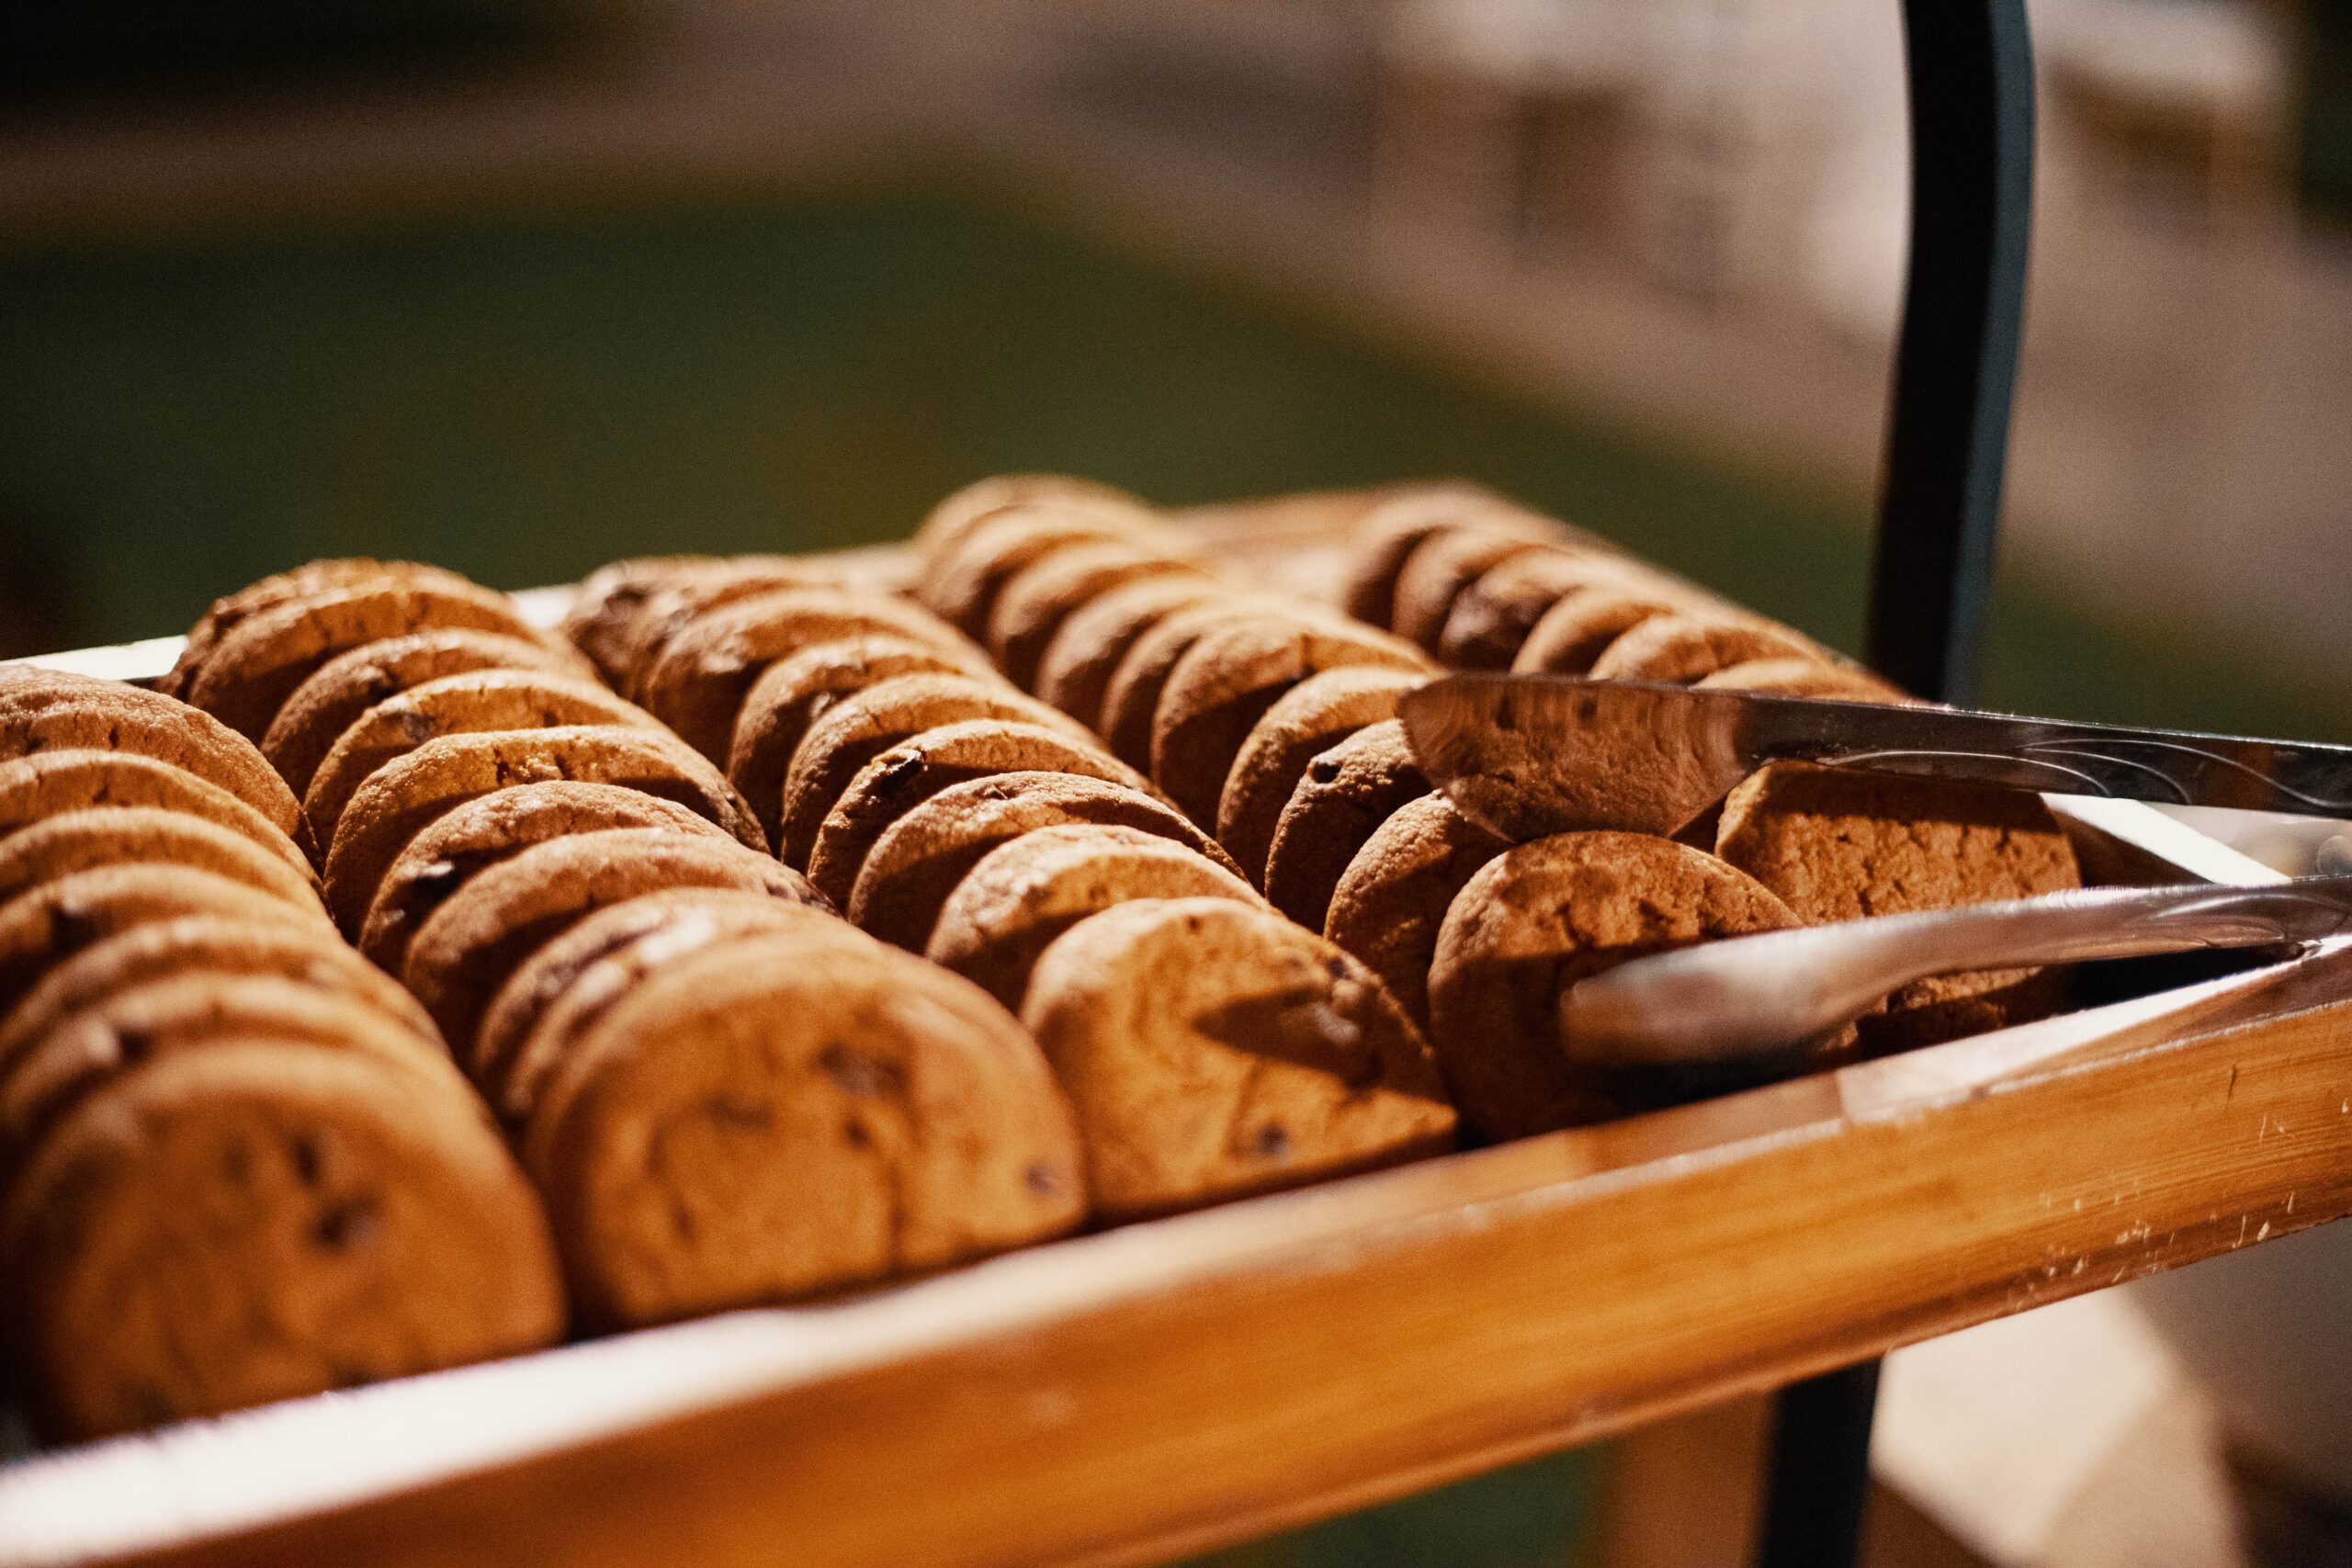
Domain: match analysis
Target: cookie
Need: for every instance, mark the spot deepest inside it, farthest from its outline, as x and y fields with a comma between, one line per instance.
x=902, y=777
x=819, y=1126
x=1036, y=599
x=1801, y=677
x=347, y=686
x=1439, y=567
x=670, y=610
x=260, y=1221
x=227, y=613
x=43, y=710
x=1835, y=844
x=961, y=582
x=48, y=783
x=112, y=1035
x=1212, y=1049
x=206, y=944
x=1579, y=628
x=1382, y=540
x=1310, y=719
x=1075, y=671
x=253, y=668
x=1494, y=612
x=856, y=729
x=1025, y=892
x=497, y=826
x=119, y=835
x=916, y=864
x=466, y=949
x=1391, y=901
x=964, y=510
x=1226, y=682
x=792, y=691
x=614, y=617
x=44, y=926
x=1131, y=701
x=1342, y=798
x=571, y=980
x=1678, y=650
x=406, y=796
x=469, y=704
x=698, y=684
x=1539, y=917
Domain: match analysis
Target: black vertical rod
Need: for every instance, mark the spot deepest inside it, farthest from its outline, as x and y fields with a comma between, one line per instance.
x=1971, y=74
x=1970, y=68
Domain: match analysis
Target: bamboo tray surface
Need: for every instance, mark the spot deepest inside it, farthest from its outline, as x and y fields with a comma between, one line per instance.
x=1175, y=1385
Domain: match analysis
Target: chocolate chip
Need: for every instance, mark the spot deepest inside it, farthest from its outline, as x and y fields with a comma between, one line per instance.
x=309, y=1161
x=1041, y=1178
x=355, y=1222
x=131, y=1045
x=1322, y=771
x=1271, y=1141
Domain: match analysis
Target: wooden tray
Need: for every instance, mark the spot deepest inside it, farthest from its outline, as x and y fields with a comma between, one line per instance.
x=1177, y=1385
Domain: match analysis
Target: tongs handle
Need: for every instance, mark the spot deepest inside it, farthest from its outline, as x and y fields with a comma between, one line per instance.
x=1756, y=995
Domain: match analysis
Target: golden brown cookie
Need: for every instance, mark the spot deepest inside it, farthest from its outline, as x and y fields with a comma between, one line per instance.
x=469, y=704
x=1131, y=701
x=1342, y=798
x=625, y=608
x=48, y=783
x=859, y=728
x=408, y=795
x=1836, y=844
x=916, y=864
x=227, y=613
x=792, y=691
x=112, y=1035
x=466, y=949
x=961, y=582
x=901, y=778
x=1439, y=567
x=964, y=510
x=699, y=682
x=497, y=826
x=1391, y=901
x=1579, y=628
x=1678, y=650
x=1383, y=539
x=255, y=667
x=350, y=683
x=206, y=944
x=573, y=980
x=678, y=604
x=260, y=1221
x=119, y=835
x=1074, y=673
x=1536, y=919
x=1036, y=599
x=1494, y=612
x=820, y=1126
x=1309, y=720
x=42, y=710
x=1802, y=678
x=1226, y=682
x=1212, y=1049
x=1028, y=891
x=44, y=926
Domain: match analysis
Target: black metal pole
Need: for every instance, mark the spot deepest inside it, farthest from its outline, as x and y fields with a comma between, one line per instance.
x=1970, y=68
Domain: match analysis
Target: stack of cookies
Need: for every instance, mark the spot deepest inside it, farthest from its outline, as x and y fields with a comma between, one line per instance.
x=565, y=885
x=235, y=1162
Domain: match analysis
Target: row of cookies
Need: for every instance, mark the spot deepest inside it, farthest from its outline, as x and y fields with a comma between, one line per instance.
x=1484, y=585
x=1324, y=805
x=235, y=1161
x=952, y=815
x=536, y=860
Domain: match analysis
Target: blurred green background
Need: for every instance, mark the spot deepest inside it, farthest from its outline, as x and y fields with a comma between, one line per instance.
x=524, y=398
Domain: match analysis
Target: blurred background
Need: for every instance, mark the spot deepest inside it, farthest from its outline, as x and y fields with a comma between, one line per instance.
x=520, y=286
